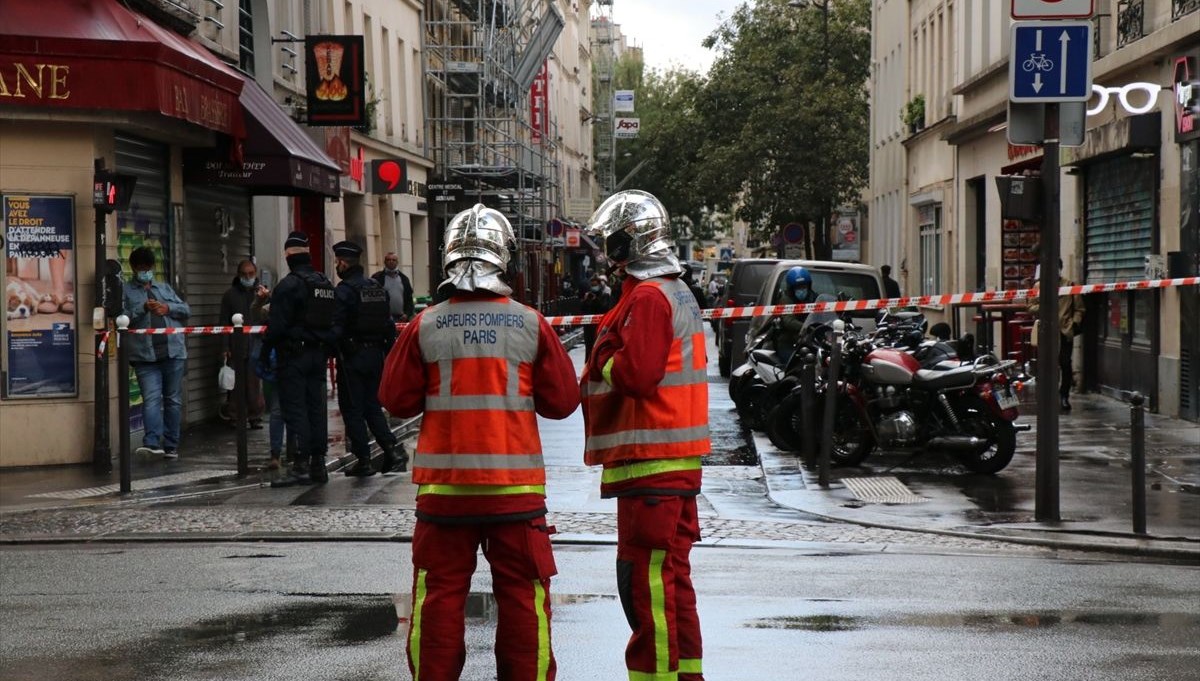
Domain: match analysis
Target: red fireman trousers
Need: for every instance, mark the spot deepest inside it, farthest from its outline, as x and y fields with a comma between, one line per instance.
x=654, y=579
x=444, y=558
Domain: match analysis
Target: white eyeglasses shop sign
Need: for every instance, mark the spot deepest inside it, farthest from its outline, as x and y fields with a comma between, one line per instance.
x=1052, y=9
x=626, y=128
x=623, y=100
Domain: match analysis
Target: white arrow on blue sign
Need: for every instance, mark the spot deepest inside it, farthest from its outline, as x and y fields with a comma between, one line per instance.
x=1050, y=61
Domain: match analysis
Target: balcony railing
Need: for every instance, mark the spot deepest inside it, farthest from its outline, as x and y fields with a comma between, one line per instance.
x=1130, y=21
x=1182, y=7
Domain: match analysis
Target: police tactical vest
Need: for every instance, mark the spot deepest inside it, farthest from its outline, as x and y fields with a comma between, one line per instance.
x=373, y=315
x=319, y=301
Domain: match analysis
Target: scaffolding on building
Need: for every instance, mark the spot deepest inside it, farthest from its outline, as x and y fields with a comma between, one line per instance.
x=481, y=58
x=604, y=65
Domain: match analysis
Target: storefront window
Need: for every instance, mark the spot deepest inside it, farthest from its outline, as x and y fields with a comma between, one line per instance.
x=929, y=228
x=1143, y=312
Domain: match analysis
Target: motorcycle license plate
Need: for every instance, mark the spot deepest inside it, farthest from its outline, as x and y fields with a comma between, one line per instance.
x=1005, y=398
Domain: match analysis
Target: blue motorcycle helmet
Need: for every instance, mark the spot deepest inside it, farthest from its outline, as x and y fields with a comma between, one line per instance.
x=798, y=277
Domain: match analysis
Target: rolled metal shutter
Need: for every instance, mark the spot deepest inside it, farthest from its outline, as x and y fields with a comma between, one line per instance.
x=1120, y=219
x=145, y=223
x=218, y=235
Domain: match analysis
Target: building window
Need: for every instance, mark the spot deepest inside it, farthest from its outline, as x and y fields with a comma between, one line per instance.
x=929, y=230
x=246, y=36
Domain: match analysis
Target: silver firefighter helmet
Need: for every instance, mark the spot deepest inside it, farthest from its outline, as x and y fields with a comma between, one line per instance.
x=633, y=225
x=480, y=233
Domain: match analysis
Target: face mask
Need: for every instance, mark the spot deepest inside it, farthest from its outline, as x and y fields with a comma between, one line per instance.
x=246, y=283
x=595, y=289
x=391, y=270
x=800, y=291
x=145, y=277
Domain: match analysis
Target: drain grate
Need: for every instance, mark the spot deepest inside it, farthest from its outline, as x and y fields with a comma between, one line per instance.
x=882, y=490
x=138, y=485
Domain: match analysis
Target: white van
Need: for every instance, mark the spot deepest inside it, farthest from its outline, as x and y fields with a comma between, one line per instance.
x=849, y=280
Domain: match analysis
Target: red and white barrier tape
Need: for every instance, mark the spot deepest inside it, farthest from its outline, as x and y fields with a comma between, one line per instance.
x=1010, y=296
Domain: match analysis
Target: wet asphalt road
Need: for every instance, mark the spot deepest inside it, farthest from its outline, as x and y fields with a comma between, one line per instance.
x=335, y=611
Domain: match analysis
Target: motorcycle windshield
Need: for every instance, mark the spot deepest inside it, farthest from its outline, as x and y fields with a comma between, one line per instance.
x=815, y=320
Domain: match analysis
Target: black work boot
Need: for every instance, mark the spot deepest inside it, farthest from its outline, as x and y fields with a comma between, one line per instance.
x=296, y=475
x=360, y=469
x=317, y=471
x=1064, y=404
x=394, y=459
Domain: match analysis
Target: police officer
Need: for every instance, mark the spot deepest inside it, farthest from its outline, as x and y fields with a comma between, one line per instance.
x=481, y=367
x=300, y=330
x=364, y=331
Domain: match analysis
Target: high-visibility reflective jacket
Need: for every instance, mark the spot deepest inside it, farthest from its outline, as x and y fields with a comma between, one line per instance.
x=668, y=421
x=480, y=366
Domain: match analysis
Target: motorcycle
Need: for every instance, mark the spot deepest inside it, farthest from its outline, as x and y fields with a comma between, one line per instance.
x=767, y=376
x=889, y=398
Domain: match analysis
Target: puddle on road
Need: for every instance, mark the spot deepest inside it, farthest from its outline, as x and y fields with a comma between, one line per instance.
x=1028, y=620
x=215, y=645
x=809, y=623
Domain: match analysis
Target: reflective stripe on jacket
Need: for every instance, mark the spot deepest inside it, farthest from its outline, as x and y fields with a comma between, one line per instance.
x=479, y=427
x=672, y=422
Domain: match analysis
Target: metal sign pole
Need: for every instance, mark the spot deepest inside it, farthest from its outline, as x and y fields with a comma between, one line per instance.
x=1046, y=506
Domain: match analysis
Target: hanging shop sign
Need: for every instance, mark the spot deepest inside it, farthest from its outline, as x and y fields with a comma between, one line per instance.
x=539, y=104
x=1187, y=99
x=626, y=128
x=389, y=176
x=39, y=326
x=336, y=79
x=623, y=100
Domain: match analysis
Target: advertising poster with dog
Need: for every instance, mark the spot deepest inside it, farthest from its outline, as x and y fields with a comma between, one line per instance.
x=39, y=325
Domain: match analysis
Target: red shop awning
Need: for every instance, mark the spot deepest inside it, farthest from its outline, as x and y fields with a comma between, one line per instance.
x=277, y=158
x=96, y=54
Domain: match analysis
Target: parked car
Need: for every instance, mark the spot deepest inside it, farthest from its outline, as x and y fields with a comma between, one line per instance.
x=849, y=280
x=742, y=288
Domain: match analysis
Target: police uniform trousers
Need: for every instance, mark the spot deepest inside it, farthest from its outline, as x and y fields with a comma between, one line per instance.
x=301, y=378
x=522, y=563
x=358, y=377
x=654, y=580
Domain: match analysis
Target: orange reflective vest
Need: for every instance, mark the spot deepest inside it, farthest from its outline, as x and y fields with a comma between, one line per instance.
x=479, y=427
x=672, y=423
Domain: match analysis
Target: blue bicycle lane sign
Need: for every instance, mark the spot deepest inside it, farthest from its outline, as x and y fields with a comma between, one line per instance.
x=1050, y=61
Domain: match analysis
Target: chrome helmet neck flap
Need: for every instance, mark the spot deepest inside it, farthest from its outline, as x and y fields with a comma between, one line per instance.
x=479, y=233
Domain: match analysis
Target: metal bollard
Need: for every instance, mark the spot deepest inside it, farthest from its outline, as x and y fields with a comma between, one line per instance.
x=808, y=396
x=1137, y=459
x=240, y=392
x=124, y=452
x=831, y=398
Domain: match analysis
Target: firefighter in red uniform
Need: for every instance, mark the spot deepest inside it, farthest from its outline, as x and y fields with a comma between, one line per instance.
x=479, y=365
x=645, y=409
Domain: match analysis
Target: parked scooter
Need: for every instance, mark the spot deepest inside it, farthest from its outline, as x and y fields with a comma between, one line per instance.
x=767, y=376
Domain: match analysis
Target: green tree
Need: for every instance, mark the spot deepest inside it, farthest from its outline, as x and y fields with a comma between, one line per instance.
x=787, y=109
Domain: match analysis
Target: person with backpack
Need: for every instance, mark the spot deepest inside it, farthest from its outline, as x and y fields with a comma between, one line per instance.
x=300, y=330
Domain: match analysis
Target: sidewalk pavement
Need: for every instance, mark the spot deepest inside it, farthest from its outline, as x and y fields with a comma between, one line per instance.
x=930, y=494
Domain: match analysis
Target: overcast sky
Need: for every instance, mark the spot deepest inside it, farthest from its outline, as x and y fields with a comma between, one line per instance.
x=670, y=31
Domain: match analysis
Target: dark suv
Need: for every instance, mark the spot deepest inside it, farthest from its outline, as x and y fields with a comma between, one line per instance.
x=745, y=280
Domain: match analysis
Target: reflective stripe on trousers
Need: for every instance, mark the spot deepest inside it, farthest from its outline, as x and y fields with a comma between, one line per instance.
x=444, y=558
x=654, y=541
